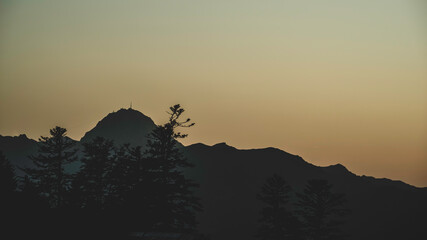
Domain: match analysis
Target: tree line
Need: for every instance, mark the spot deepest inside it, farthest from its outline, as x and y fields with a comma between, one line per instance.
x=317, y=212
x=146, y=188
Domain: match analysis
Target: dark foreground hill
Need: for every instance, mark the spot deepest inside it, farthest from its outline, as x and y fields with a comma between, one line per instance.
x=230, y=178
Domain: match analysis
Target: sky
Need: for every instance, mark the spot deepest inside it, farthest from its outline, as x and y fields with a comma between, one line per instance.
x=333, y=81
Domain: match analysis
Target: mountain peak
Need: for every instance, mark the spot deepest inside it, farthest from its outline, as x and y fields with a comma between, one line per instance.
x=24, y=136
x=223, y=145
x=124, y=126
x=337, y=169
x=338, y=166
x=126, y=113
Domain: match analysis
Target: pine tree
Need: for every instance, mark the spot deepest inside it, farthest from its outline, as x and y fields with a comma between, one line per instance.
x=320, y=210
x=276, y=221
x=128, y=172
x=49, y=175
x=93, y=180
x=134, y=186
x=29, y=196
x=172, y=201
x=7, y=176
x=7, y=185
x=120, y=177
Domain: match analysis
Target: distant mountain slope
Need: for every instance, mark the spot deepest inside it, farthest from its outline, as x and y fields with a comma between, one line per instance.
x=123, y=126
x=230, y=179
x=17, y=149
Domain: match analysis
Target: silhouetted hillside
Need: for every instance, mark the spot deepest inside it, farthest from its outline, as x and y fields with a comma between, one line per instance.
x=230, y=178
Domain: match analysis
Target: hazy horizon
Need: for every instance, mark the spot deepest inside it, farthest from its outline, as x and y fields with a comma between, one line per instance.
x=337, y=82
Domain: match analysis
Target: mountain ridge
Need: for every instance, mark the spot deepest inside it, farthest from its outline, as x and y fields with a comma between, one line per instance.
x=117, y=125
x=229, y=179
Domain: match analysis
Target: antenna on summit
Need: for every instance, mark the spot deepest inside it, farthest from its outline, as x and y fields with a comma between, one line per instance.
x=130, y=105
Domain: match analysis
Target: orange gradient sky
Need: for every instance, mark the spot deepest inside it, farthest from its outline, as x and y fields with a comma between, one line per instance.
x=331, y=81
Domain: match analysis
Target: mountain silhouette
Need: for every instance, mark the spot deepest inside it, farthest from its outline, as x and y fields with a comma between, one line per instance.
x=230, y=178
x=123, y=126
x=17, y=149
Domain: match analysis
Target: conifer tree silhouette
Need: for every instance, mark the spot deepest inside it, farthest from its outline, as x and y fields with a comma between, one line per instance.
x=49, y=176
x=277, y=222
x=94, y=181
x=30, y=195
x=172, y=198
x=135, y=186
x=121, y=177
x=8, y=185
x=320, y=210
x=8, y=181
x=128, y=172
